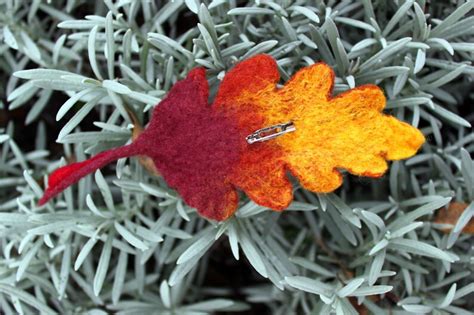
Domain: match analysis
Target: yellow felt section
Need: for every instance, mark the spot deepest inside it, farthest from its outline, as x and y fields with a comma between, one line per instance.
x=345, y=132
x=348, y=131
x=304, y=82
x=318, y=177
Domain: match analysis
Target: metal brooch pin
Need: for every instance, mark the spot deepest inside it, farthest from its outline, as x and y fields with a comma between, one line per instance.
x=271, y=132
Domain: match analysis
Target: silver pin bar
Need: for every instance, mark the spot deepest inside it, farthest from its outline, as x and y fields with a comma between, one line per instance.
x=271, y=132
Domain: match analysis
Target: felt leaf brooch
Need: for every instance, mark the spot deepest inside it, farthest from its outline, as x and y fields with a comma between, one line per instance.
x=209, y=152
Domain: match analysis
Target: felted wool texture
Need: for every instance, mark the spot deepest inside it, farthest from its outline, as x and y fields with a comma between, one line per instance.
x=348, y=131
x=193, y=148
x=202, y=151
x=67, y=175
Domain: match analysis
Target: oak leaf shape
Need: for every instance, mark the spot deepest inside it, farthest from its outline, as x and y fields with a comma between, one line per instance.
x=202, y=152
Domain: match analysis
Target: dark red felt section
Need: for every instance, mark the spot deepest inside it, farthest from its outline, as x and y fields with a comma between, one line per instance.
x=193, y=146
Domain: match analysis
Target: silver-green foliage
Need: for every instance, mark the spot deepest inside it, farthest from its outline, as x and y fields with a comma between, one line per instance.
x=126, y=242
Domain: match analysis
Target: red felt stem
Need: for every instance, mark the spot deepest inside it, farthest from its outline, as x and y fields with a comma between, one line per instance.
x=67, y=175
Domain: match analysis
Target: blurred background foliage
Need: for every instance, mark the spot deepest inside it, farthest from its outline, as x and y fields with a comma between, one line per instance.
x=79, y=77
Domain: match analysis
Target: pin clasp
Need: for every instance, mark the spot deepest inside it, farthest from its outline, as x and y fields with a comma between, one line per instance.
x=271, y=132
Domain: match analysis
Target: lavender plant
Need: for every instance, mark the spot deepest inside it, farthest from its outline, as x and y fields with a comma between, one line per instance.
x=90, y=73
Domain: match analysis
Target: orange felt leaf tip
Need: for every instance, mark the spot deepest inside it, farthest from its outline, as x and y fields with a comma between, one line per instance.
x=201, y=149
